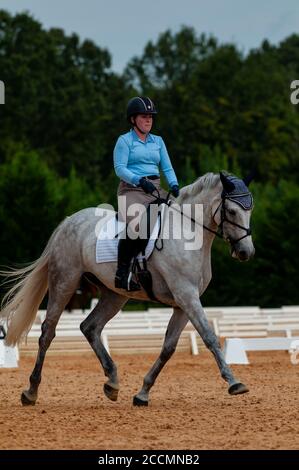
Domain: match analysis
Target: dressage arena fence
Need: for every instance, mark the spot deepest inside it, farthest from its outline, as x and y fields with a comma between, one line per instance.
x=133, y=332
x=127, y=333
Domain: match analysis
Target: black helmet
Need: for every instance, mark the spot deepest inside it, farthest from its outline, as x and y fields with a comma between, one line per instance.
x=140, y=105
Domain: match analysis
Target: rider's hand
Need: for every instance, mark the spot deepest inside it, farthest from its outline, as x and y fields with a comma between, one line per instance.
x=175, y=190
x=147, y=186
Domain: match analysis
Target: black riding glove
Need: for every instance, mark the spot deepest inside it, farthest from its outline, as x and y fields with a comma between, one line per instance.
x=146, y=185
x=175, y=190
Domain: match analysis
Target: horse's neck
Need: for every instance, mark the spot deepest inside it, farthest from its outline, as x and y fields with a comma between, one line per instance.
x=200, y=258
x=208, y=237
x=206, y=199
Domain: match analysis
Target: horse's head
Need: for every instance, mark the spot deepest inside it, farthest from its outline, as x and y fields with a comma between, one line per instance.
x=232, y=215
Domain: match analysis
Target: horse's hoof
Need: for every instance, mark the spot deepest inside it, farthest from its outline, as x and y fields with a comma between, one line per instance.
x=26, y=400
x=110, y=392
x=138, y=402
x=238, y=389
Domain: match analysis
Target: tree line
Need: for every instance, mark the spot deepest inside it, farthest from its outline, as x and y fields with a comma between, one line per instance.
x=219, y=109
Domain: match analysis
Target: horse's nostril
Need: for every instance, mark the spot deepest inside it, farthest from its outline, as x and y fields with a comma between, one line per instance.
x=243, y=254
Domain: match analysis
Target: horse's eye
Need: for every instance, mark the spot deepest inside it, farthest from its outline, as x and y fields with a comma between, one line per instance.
x=231, y=211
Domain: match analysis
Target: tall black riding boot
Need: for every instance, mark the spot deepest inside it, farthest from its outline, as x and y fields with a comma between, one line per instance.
x=127, y=249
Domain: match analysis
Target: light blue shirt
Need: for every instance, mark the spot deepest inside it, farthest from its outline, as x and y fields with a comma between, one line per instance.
x=134, y=158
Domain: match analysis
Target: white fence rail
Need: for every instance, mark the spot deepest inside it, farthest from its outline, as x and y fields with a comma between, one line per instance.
x=128, y=332
x=143, y=331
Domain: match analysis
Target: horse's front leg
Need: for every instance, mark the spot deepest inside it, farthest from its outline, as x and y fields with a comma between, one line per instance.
x=190, y=303
x=175, y=327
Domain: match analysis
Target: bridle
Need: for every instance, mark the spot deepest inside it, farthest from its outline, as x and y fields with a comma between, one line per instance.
x=223, y=217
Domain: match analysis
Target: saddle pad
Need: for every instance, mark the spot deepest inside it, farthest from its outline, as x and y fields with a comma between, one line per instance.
x=107, y=244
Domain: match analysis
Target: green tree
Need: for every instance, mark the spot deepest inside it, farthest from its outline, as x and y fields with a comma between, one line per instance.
x=30, y=198
x=33, y=202
x=62, y=99
x=218, y=109
x=212, y=96
x=271, y=277
x=275, y=268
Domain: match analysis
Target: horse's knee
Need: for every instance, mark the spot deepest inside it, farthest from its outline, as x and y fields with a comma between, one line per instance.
x=211, y=341
x=86, y=328
x=82, y=327
x=47, y=336
x=167, y=352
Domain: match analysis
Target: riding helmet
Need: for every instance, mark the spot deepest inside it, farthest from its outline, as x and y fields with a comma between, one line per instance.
x=140, y=105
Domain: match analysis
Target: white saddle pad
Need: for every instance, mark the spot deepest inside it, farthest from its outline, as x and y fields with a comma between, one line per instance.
x=107, y=244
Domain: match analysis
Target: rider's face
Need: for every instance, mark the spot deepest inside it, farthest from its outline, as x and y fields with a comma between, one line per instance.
x=144, y=122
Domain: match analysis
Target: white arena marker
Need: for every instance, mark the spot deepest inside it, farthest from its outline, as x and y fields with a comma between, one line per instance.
x=8, y=355
x=235, y=348
x=294, y=352
x=234, y=351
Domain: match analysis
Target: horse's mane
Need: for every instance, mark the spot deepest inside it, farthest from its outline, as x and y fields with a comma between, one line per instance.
x=207, y=181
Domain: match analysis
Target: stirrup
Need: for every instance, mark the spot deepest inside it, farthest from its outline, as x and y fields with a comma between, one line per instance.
x=126, y=282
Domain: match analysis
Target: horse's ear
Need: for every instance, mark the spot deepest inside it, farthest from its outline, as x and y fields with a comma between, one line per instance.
x=228, y=185
x=247, y=180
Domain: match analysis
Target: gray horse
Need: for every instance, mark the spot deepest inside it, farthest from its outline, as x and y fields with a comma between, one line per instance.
x=179, y=279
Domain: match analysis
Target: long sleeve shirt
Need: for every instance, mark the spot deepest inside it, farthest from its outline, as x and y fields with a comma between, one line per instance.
x=134, y=158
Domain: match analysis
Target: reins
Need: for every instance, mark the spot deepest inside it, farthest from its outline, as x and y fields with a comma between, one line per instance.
x=218, y=233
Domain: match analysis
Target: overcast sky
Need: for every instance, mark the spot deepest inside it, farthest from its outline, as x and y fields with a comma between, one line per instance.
x=125, y=26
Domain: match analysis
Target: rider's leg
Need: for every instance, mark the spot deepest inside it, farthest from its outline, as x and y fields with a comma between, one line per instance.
x=126, y=251
x=128, y=248
x=136, y=232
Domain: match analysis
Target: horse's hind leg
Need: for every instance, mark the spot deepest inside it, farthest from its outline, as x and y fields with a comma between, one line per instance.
x=108, y=306
x=177, y=323
x=60, y=291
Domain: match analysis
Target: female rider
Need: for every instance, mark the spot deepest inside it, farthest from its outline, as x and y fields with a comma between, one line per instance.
x=137, y=156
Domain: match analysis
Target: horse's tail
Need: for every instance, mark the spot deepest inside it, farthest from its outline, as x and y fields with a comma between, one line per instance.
x=21, y=302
